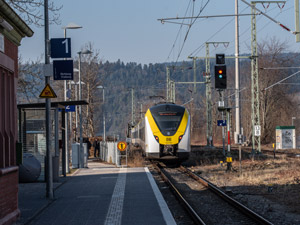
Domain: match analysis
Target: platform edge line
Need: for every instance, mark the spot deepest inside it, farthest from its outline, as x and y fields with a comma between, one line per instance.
x=168, y=217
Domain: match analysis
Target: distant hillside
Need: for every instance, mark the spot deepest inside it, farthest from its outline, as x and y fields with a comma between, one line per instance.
x=149, y=84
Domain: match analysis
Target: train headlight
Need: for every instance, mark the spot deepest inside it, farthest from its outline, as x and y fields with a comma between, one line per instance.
x=180, y=138
x=156, y=138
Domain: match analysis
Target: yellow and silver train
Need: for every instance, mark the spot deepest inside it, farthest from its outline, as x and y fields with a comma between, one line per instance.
x=164, y=132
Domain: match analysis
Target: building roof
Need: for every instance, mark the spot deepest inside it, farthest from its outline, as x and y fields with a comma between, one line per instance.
x=53, y=104
x=20, y=28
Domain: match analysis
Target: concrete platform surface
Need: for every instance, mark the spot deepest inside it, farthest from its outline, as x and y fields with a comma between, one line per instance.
x=99, y=194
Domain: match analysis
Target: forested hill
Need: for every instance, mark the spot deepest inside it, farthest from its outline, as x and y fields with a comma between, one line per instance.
x=149, y=87
x=148, y=83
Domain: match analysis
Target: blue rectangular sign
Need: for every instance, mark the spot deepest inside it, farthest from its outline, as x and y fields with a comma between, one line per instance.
x=70, y=108
x=222, y=123
x=63, y=70
x=60, y=47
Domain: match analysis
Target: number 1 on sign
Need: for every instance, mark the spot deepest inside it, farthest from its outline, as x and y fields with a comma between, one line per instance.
x=66, y=42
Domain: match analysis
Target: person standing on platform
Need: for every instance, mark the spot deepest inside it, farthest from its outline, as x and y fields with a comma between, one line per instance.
x=96, y=146
x=89, y=145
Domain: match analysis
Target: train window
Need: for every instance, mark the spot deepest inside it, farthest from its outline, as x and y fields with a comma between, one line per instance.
x=167, y=118
x=168, y=124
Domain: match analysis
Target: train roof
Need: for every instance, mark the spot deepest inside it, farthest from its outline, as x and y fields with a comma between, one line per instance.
x=167, y=107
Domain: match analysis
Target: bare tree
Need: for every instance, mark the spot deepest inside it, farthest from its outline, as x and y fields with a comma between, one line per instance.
x=30, y=80
x=32, y=11
x=275, y=103
x=92, y=78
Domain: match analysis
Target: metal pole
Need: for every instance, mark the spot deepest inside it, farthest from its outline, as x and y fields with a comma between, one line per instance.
x=297, y=20
x=228, y=157
x=70, y=137
x=168, y=77
x=104, y=137
x=293, y=118
x=56, y=133
x=80, y=112
x=254, y=82
x=223, y=128
x=76, y=114
x=66, y=121
x=20, y=125
x=70, y=124
x=64, y=150
x=126, y=157
x=174, y=92
x=194, y=67
x=240, y=158
x=209, y=138
x=237, y=76
x=49, y=175
x=132, y=106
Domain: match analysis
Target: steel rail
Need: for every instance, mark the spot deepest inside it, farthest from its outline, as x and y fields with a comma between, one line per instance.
x=195, y=217
x=227, y=198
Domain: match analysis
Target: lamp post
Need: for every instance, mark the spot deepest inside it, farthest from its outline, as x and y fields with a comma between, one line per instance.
x=101, y=87
x=69, y=26
x=76, y=98
x=80, y=97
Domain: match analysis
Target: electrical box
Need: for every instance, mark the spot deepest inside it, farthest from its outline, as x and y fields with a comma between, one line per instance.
x=285, y=137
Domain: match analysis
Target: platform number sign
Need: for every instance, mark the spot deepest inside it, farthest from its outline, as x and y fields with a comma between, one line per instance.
x=122, y=145
x=257, y=130
x=60, y=47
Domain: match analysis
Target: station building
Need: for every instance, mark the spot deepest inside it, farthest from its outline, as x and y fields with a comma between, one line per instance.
x=12, y=30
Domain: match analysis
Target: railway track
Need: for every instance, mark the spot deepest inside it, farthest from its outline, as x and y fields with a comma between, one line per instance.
x=205, y=203
x=246, y=152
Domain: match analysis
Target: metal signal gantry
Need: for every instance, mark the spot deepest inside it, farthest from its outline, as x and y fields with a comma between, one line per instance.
x=254, y=75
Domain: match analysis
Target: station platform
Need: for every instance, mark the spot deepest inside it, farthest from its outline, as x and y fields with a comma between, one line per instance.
x=101, y=194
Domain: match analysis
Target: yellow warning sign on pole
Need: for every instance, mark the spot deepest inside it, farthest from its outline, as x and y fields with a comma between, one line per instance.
x=48, y=92
x=122, y=145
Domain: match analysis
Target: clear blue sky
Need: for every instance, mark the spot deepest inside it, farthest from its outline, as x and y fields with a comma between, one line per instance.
x=129, y=30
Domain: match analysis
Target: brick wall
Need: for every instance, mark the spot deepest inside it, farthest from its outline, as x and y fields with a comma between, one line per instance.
x=12, y=52
x=8, y=135
x=9, y=195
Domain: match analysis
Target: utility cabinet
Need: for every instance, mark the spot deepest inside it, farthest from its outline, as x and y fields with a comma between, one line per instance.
x=285, y=137
x=79, y=159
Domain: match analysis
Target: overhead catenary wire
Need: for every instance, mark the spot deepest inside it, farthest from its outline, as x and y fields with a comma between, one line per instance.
x=173, y=46
x=249, y=27
x=188, y=30
x=281, y=80
x=270, y=18
x=267, y=24
x=197, y=50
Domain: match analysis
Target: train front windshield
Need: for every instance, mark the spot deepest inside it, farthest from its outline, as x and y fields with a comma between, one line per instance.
x=167, y=118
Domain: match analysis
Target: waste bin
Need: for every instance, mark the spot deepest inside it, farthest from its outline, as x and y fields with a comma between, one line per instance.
x=79, y=159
